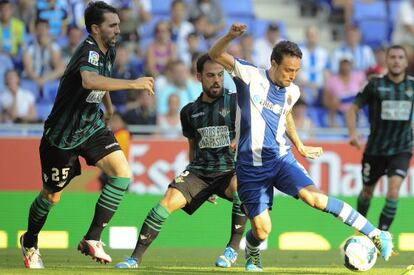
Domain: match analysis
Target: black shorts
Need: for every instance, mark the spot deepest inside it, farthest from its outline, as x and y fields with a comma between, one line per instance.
x=60, y=166
x=197, y=187
x=374, y=167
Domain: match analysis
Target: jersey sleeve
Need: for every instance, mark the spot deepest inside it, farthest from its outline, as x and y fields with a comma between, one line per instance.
x=364, y=96
x=243, y=70
x=89, y=58
x=186, y=126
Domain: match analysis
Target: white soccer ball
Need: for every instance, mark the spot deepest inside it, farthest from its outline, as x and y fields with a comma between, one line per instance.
x=360, y=253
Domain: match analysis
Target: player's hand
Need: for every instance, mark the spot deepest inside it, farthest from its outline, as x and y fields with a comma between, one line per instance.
x=310, y=151
x=233, y=146
x=354, y=141
x=145, y=83
x=212, y=199
x=237, y=30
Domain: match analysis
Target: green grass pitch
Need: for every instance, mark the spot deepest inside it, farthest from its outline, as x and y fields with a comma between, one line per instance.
x=195, y=261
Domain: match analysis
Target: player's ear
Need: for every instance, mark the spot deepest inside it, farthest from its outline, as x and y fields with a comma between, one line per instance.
x=198, y=75
x=95, y=28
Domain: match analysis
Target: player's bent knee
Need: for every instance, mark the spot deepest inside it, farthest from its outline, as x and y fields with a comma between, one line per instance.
x=123, y=172
x=262, y=233
x=53, y=198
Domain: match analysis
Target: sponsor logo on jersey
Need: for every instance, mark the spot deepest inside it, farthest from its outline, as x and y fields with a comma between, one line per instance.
x=93, y=58
x=275, y=108
x=214, y=137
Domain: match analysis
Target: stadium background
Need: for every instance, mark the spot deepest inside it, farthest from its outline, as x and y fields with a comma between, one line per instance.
x=156, y=156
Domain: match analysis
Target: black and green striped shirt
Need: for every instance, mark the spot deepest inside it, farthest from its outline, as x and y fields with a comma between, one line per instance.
x=211, y=126
x=390, y=107
x=76, y=114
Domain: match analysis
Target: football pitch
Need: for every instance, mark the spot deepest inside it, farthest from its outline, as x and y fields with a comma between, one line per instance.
x=196, y=261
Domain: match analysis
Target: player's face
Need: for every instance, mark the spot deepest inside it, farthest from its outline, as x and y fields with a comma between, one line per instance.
x=286, y=72
x=396, y=61
x=109, y=29
x=212, y=79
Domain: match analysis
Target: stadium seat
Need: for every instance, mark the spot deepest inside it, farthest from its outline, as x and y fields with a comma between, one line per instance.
x=31, y=86
x=160, y=7
x=238, y=8
x=50, y=91
x=43, y=110
x=363, y=10
x=379, y=36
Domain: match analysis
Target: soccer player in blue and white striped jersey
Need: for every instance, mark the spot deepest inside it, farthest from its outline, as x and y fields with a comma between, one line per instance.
x=264, y=159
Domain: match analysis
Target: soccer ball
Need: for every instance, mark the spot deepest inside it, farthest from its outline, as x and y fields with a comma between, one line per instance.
x=360, y=253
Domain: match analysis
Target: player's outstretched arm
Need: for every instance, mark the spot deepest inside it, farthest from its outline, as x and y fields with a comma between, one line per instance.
x=351, y=116
x=218, y=50
x=306, y=151
x=94, y=81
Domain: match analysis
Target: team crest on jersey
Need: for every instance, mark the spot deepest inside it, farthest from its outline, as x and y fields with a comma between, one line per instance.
x=224, y=112
x=409, y=93
x=289, y=100
x=93, y=58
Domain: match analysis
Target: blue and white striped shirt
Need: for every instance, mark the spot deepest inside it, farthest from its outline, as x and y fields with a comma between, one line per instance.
x=261, y=114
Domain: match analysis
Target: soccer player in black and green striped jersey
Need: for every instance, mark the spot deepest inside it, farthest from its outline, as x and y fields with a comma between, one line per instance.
x=390, y=101
x=76, y=127
x=208, y=124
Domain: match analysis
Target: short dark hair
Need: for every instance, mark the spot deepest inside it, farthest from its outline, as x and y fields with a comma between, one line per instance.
x=396, y=47
x=202, y=59
x=285, y=48
x=94, y=13
x=41, y=21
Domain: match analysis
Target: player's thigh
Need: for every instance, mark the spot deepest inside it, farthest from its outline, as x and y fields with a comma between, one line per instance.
x=194, y=189
x=261, y=225
x=255, y=189
x=224, y=184
x=173, y=200
x=103, y=151
x=292, y=177
x=58, y=166
x=373, y=168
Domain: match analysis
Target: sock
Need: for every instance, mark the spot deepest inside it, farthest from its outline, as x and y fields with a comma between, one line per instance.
x=363, y=205
x=37, y=217
x=252, y=244
x=388, y=214
x=351, y=217
x=150, y=229
x=238, y=223
x=106, y=206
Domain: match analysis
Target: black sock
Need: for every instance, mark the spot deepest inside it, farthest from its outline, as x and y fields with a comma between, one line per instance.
x=363, y=205
x=388, y=214
x=149, y=230
x=238, y=223
x=106, y=206
x=37, y=217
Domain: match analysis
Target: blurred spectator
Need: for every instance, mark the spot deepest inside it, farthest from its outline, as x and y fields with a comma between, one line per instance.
x=169, y=124
x=263, y=46
x=56, y=13
x=161, y=50
x=180, y=27
x=211, y=9
x=340, y=91
x=301, y=118
x=380, y=68
x=123, y=137
x=362, y=55
x=193, y=45
x=123, y=69
x=26, y=12
x=18, y=105
x=75, y=36
x=141, y=110
x=6, y=64
x=247, y=47
x=42, y=60
x=181, y=84
x=403, y=32
x=12, y=30
x=315, y=66
x=133, y=13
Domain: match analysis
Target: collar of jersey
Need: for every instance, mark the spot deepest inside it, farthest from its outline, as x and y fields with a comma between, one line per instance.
x=272, y=83
x=96, y=44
